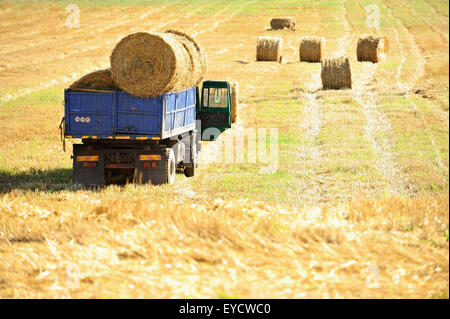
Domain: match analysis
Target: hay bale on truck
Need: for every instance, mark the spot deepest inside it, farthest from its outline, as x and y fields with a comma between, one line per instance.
x=268, y=49
x=149, y=64
x=234, y=101
x=196, y=54
x=98, y=80
x=336, y=73
x=311, y=49
x=372, y=48
x=282, y=23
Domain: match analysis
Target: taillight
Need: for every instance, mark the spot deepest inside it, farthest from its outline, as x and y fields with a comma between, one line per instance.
x=88, y=158
x=149, y=157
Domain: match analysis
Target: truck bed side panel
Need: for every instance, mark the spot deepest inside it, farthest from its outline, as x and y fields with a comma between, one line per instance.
x=90, y=113
x=179, y=111
x=119, y=114
x=138, y=115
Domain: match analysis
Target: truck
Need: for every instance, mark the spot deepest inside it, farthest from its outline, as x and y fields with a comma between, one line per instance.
x=125, y=138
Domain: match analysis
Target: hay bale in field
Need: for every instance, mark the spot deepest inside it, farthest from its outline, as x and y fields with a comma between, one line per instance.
x=234, y=101
x=149, y=64
x=372, y=48
x=268, y=49
x=311, y=49
x=98, y=80
x=336, y=73
x=282, y=23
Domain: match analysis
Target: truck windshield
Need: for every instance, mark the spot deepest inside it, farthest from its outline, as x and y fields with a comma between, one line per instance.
x=215, y=97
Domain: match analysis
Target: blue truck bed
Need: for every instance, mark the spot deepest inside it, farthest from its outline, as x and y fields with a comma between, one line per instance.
x=119, y=115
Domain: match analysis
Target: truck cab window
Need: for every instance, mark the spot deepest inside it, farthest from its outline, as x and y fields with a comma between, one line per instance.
x=215, y=97
x=205, y=97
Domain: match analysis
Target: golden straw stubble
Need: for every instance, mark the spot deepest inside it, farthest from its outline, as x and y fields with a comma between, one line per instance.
x=149, y=64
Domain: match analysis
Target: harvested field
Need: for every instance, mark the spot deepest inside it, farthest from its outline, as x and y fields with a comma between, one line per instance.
x=357, y=206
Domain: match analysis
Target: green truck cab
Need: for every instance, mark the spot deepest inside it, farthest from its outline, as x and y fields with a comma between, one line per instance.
x=214, y=110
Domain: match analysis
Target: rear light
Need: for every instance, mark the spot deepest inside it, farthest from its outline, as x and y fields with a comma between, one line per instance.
x=89, y=158
x=149, y=157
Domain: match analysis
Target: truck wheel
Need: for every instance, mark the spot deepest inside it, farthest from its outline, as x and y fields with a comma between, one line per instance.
x=171, y=166
x=166, y=174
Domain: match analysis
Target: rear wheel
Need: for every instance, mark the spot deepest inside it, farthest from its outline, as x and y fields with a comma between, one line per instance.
x=166, y=174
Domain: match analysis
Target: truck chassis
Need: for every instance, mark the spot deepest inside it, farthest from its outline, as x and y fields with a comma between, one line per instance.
x=103, y=162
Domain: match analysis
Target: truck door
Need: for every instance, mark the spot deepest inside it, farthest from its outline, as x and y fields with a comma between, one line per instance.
x=215, y=109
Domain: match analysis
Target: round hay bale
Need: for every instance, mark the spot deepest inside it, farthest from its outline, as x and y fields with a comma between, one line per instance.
x=196, y=54
x=234, y=101
x=372, y=48
x=268, y=49
x=336, y=73
x=311, y=49
x=149, y=64
x=282, y=23
x=98, y=80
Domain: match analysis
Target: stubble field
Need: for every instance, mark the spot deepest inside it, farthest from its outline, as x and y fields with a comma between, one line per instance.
x=358, y=206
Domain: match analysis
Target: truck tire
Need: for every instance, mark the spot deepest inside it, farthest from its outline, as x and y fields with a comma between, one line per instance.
x=166, y=174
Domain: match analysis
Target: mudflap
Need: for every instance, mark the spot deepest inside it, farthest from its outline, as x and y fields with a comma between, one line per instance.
x=87, y=176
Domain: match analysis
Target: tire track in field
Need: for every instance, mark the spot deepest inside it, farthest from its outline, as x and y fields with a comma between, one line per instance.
x=420, y=70
x=312, y=192
x=200, y=8
x=195, y=25
x=344, y=42
x=412, y=12
x=219, y=22
x=377, y=131
x=404, y=89
x=434, y=11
